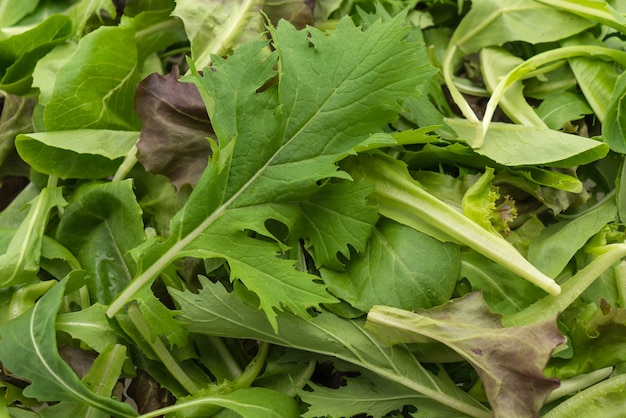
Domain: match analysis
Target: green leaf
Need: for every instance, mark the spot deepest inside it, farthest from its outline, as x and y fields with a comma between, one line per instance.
x=95, y=88
x=20, y=262
x=83, y=10
x=400, y=267
x=213, y=311
x=12, y=11
x=90, y=325
x=558, y=109
x=509, y=361
x=29, y=349
x=16, y=117
x=101, y=223
x=248, y=403
x=517, y=145
x=275, y=144
x=19, y=53
x=596, y=10
x=82, y=154
x=217, y=27
x=558, y=242
x=613, y=126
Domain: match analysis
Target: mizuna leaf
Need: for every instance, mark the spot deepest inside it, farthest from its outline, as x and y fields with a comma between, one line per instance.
x=510, y=361
x=29, y=349
x=276, y=141
x=214, y=311
x=174, y=130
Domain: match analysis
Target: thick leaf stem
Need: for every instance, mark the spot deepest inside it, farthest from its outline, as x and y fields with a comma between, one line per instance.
x=400, y=198
x=160, y=350
x=533, y=64
x=551, y=306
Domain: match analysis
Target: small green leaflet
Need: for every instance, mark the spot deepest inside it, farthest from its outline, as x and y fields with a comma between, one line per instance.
x=277, y=140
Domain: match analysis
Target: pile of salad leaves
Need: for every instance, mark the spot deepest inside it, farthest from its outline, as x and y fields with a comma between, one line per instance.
x=331, y=208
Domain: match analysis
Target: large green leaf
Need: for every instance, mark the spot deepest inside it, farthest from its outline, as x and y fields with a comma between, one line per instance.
x=11, y=11
x=400, y=267
x=78, y=154
x=101, y=223
x=214, y=311
x=276, y=143
x=95, y=88
x=29, y=349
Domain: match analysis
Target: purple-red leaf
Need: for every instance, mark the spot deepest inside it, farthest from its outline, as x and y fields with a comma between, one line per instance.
x=509, y=361
x=175, y=127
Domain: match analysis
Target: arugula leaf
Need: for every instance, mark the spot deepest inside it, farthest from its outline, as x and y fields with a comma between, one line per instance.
x=29, y=348
x=510, y=361
x=90, y=326
x=213, y=311
x=276, y=143
x=20, y=263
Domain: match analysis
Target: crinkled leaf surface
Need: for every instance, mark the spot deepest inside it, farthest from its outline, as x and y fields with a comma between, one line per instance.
x=29, y=349
x=214, y=311
x=510, y=361
x=277, y=143
x=174, y=128
x=217, y=27
x=95, y=88
x=78, y=154
x=400, y=267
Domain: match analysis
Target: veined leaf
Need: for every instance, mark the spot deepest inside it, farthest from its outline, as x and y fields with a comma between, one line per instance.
x=20, y=263
x=89, y=326
x=276, y=143
x=214, y=311
x=510, y=361
x=217, y=27
x=99, y=95
x=29, y=349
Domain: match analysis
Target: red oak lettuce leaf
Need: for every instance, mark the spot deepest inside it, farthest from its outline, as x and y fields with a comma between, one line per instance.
x=509, y=361
x=174, y=129
x=597, y=336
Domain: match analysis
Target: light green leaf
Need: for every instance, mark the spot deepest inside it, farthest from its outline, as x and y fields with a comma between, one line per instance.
x=20, y=262
x=615, y=121
x=556, y=110
x=517, y=145
x=12, y=11
x=558, y=243
x=95, y=88
x=602, y=400
x=101, y=223
x=29, y=349
x=495, y=63
x=90, y=326
x=82, y=154
x=85, y=9
x=19, y=53
x=400, y=267
x=214, y=311
x=509, y=361
x=275, y=144
x=597, y=10
x=216, y=27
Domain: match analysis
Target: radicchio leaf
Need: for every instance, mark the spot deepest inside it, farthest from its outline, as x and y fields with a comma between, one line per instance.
x=175, y=127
